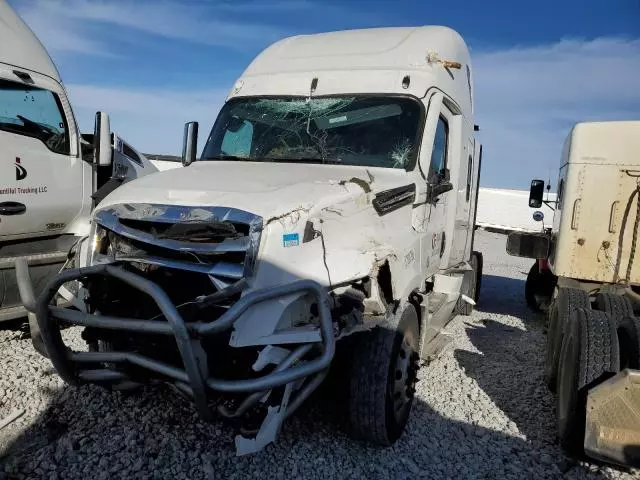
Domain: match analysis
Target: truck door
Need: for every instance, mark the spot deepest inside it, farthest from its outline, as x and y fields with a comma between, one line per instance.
x=464, y=205
x=41, y=172
x=436, y=235
x=128, y=163
x=430, y=217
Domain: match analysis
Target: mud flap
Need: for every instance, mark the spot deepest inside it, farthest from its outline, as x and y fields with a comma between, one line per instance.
x=612, y=431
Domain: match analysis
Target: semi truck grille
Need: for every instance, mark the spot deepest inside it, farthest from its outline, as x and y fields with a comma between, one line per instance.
x=217, y=242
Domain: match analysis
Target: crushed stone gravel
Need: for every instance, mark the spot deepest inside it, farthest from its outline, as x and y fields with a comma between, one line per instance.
x=481, y=411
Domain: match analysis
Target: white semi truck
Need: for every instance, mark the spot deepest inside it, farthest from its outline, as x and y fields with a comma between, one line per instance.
x=333, y=205
x=587, y=277
x=51, y=176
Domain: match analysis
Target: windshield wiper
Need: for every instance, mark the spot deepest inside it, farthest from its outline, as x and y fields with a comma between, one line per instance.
x=334, y=161
x=41, y=126
x=14, y=127
x=228, y=157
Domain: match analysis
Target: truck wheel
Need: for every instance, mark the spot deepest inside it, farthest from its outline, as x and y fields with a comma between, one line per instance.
x=590, y=354
x=629, y=340
x=538, y=286
x=470, y=285
x=568, y=300
x=382, y=380
x=617, y=306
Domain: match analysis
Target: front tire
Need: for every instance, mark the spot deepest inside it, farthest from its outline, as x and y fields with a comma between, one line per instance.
x=382, y=379
x=538, y=288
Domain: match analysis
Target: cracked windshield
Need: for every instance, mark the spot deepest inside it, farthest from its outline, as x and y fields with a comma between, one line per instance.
x=366, y=131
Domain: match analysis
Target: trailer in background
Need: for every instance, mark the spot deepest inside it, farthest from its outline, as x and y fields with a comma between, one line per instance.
x=506, y=210
x=589, y=276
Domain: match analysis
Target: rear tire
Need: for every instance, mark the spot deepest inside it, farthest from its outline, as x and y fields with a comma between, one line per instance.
x=590, y=354
x=629, y=340
x=382, y=380
x=617, y=306
x=567, y=300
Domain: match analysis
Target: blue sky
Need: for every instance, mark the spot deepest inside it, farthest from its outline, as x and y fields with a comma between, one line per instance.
x=539, y=66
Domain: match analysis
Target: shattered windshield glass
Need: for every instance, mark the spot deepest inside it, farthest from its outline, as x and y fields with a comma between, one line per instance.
x=354, y=130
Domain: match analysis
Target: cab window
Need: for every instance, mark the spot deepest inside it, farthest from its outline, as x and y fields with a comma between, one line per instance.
x=34, y=112
x=439, y=151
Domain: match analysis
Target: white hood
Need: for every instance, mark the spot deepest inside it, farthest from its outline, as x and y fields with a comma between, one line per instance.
x=265, y=189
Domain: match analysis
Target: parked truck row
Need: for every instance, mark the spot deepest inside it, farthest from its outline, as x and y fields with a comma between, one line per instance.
x=327, y=224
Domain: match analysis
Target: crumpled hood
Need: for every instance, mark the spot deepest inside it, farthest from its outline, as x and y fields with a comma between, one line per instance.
x=265, y=189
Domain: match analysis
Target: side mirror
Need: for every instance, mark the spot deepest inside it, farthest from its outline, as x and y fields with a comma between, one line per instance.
x=536, y=193
x=538, y=216
x=437, y=189
x=189, y=143
x=102, y=150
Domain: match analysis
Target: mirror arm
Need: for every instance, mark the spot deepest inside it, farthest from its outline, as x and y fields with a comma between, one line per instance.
x=548, y=203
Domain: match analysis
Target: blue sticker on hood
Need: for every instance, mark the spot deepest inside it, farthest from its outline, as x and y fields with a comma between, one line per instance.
x=290, y=239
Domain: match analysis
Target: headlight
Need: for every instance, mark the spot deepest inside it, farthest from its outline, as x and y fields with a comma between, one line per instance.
x=100, y=245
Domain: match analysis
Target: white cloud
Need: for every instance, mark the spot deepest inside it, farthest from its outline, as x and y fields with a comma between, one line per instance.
x=58, y=32
x=527, y=98
x=151, y=120
x=526, y=101
x=86, y=26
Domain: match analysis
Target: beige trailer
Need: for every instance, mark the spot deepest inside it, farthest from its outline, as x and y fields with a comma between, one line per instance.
x=587, y=278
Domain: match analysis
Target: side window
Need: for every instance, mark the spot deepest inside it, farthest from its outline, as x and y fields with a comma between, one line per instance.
x=469, y=172
x=439, y=151
x=237, y=140
x=559, y=194
x=33, y=112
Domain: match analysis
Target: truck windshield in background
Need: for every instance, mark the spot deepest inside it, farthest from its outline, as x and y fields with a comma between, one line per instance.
x=373, y=131
x=33, y=112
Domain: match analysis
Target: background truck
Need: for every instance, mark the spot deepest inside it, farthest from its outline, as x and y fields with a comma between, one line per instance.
x=333, y=205
x=587, y=271
x=51, y=176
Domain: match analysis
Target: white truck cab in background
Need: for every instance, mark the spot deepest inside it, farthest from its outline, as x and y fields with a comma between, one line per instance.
x=51, y=176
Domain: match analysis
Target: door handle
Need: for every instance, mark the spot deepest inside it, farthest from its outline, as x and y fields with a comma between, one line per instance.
x=12, y=208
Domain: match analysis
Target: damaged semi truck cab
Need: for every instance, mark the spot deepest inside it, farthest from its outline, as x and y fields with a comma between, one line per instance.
x=51, y=175
x=334, y=199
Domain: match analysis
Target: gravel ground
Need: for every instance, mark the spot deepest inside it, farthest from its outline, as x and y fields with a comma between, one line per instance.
x=481, y=412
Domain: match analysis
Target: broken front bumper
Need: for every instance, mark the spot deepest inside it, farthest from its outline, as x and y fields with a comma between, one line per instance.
x=299, y=376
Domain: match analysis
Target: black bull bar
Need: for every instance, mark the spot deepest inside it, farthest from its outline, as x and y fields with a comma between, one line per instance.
x=190, y=379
